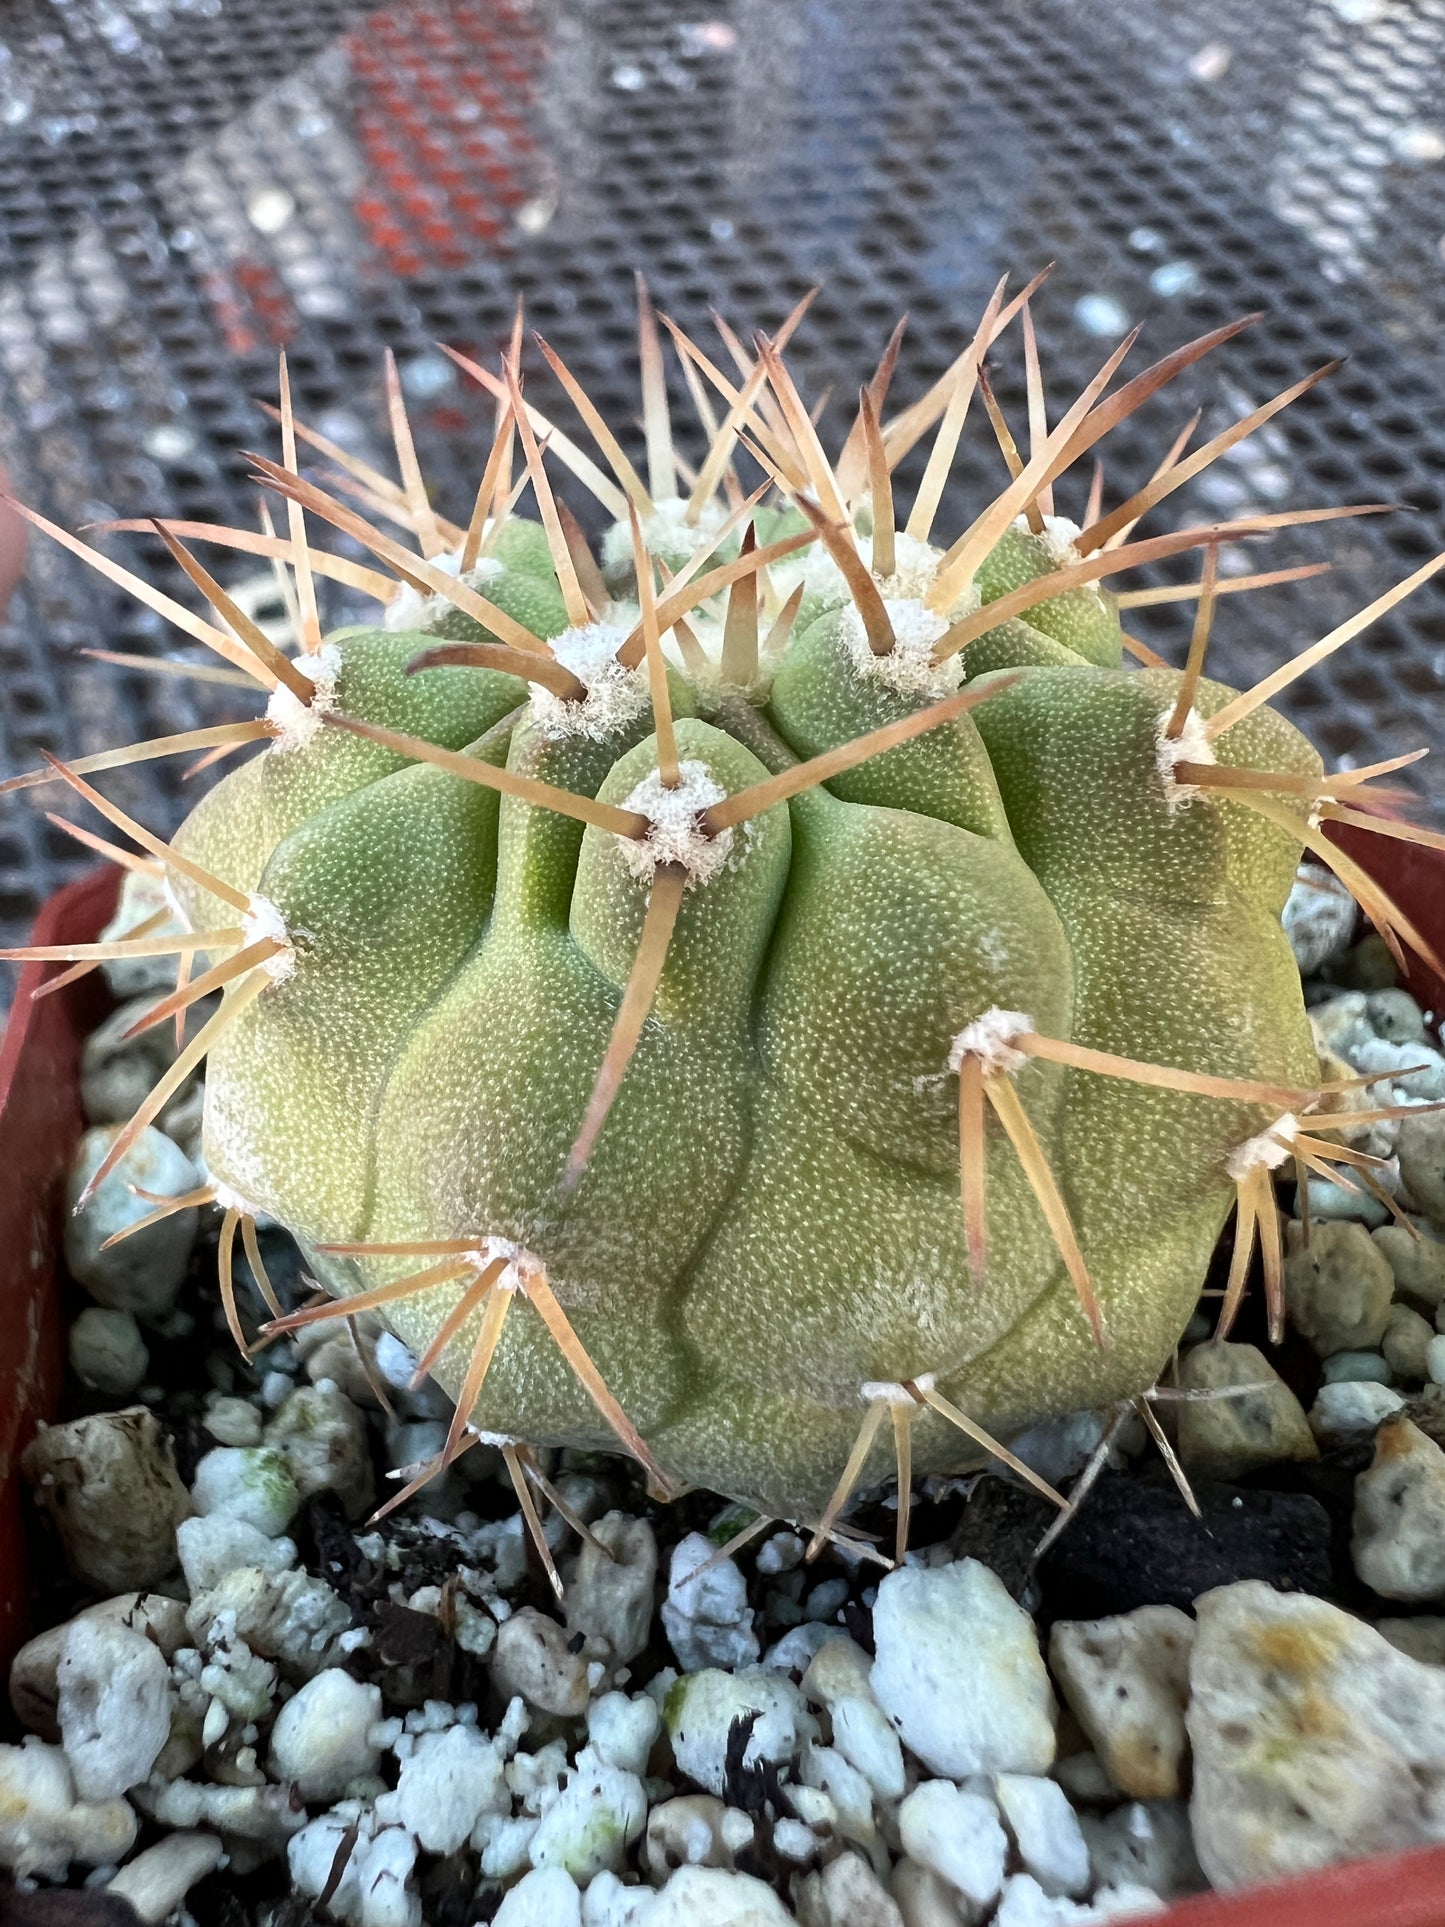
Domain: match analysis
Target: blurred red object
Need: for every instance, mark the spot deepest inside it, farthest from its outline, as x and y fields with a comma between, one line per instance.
x=1395, y=1890
x=1414, y=876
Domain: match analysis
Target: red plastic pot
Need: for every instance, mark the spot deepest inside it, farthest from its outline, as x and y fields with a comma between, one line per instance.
x=40, y=1121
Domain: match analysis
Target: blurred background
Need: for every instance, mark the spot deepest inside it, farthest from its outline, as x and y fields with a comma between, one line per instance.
x=188, y=186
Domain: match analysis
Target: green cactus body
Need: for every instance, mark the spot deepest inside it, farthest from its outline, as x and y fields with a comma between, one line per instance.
x=769, y=1228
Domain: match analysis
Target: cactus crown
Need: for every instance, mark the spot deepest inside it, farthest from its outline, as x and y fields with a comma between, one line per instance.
x=830, y=973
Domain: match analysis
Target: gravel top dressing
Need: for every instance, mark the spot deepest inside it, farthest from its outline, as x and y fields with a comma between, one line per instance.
x=535, y=1696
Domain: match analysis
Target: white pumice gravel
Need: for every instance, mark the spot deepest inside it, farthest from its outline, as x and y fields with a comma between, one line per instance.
x=109, y=1484
x=1319, y=917
x=1352, y=1409
x=701, y=1709
x=321, y=1741
x=957, y=1835
x=34, y=1682
x=1148, y=1843
x=611, y=1596
x=449, y=1780
x=687, y=1832
x=706, y=1614
x=366, y=1868
x=114, y=1706
x=1045, y=1830
x=379, y=1713
x=1126, y=1680
x=252, y=1483
x=959, y=1672
x=107, y=1351
x=533, y=1658
x=215, y=1543
x=143, y=1273
x=839, y=1680
x=545, y=1897
x=593, y=1821
x=322, y=1438
x=1398, y=1542
x=621, y=1731
x=44, y=1823
x=158, y=1880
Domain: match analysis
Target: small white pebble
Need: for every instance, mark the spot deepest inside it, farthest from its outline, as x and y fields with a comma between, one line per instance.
x=1352, y=1406
x=1046, y=1832
x=736, y=1829
x=794, y=1652
x=622, y=1731
x=114, y=1706
x=608, y=1903
x=449, y=1779
x=44, y=1826
x=215, y=1543
x=321, y=1741
x=233, y=1421
x=216, y=1723
x=794, y=1841
x=863, y=1736
x=593, y=1821
x=701, y=1709
x=957, y=1835
x=546, y=1897
x=816, y=1809
x=706, y=1615
x=782, y=1552
x=158, y=1880
x=107, y=1352
x=505, y=1845
x=826, y=1600
x=1025, y=1904
x=959, y=1673
x=248, y=1482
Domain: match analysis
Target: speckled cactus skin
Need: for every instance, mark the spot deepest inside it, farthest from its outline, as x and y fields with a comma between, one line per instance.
x=771, y=1217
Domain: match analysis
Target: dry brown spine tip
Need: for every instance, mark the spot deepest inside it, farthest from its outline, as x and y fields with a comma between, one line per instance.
x=545, y=670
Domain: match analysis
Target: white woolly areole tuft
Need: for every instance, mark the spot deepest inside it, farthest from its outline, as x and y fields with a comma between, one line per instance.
x=262, y=920
x=909, y=666
x=915, y=569
x=915, y=564
x=888, y=1390
x=990, y=1039
x=1191, y=745
x=227, y=1199
x=418, y=608
x=1266, y=1152
x=673, y=832
x=295, y=722
x=521, y=1266
x=666, y=531
x=615, y=695
x=1059, y=536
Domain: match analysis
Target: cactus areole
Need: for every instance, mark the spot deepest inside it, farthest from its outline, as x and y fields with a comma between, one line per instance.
x=794, y=997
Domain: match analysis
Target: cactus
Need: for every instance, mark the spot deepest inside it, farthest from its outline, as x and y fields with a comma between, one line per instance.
x=815, y=966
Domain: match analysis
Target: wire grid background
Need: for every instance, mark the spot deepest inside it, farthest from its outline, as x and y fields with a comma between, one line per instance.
x=187, y=186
